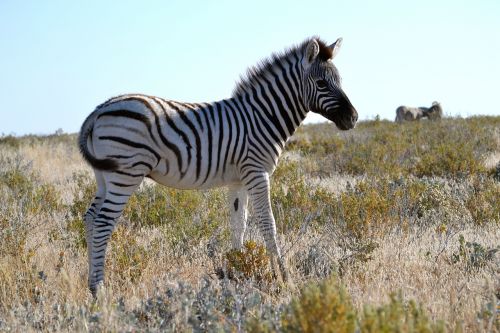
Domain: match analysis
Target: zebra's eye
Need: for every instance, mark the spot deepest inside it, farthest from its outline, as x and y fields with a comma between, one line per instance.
x=322, y=84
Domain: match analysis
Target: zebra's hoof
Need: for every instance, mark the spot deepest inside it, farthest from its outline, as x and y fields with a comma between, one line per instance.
x=93, y=291
x=283, y=271
x=95, y=288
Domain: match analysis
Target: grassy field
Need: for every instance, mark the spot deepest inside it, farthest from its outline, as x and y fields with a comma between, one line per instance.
x=385, y=228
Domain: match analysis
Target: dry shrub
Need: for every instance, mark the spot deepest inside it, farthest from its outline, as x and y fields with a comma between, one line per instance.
x=390, y=231
x=26, y=203
x=127, y=259
x=251, y=262
x=375, y=206
x=19, y=276
x=293, y=200
x=83, y=193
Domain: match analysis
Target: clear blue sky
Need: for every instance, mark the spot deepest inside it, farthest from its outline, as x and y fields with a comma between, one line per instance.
x=59, y=59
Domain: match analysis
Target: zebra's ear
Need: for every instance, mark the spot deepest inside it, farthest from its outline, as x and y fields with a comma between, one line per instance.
x=312, y=51
x=335, y=47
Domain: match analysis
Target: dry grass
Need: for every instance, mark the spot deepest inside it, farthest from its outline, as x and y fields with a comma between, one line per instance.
x=433, y=240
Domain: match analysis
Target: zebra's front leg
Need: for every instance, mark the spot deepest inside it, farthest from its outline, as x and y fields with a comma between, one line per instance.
x=238, y=202
x=258, y=188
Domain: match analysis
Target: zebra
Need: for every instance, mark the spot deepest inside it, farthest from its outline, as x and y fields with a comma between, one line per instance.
x=407, y=113
x=233, y=142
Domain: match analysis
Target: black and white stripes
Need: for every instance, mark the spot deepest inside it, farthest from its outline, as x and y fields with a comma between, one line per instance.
x=235, y=142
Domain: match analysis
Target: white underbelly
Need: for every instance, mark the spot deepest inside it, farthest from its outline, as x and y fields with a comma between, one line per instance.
x=172, y=178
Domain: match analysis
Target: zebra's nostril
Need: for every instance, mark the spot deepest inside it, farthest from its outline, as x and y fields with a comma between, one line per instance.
x=355, y=115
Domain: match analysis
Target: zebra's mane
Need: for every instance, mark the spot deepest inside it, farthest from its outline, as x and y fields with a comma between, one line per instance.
x=266, y=66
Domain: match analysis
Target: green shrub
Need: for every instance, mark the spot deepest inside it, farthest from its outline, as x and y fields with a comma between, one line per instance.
x=398, y=316
x=184, y=216
x=317, y=145
x=325, y=307
x=293, y=200
x=57, y=137
x=473, y=255
x=23, y=186
x=449, y=159
x=9, y=141
x=377, y=205
x=440, y=204
x=495, y=172
x=156, y=205
x=373, y=206
x=483, y=203
x=449, y=148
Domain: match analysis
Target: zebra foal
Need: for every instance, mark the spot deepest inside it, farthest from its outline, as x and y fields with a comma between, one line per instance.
x=234, y=142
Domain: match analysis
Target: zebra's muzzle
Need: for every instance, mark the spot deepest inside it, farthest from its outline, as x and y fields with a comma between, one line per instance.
x=346, y=124
x=345, y=118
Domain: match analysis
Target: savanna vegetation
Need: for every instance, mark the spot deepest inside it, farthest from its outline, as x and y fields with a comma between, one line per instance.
x=385, y=228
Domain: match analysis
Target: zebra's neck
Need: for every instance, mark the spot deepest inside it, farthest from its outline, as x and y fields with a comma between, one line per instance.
x=273, y=93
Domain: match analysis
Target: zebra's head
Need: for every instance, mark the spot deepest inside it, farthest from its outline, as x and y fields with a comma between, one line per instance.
x=434, y=112
x=322, y=87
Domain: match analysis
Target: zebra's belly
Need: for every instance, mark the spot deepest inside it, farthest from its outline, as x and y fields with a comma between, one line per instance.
x=189, y=181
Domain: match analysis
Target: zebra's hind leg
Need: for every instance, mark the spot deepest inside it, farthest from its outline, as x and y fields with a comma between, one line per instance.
x=238, y=201
x=258, y=188
x=119, y=187
x=91, y=214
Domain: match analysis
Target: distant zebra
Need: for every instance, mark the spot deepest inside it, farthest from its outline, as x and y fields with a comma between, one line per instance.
x=406, y=113
x=235, y=142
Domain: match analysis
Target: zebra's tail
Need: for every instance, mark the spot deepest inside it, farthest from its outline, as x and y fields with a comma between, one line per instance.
x=105, y=164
